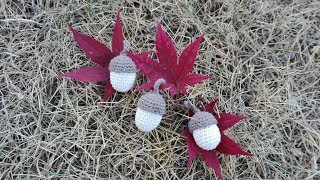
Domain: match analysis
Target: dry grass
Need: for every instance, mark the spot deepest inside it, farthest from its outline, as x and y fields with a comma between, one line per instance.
x=264, y=56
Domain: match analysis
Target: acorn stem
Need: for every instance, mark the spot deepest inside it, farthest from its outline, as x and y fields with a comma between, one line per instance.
x=157, y=84
x=126, y=46
x=190, y=106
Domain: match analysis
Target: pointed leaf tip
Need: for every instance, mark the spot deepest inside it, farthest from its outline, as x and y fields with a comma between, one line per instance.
x=117, y=36
x=187, y=58
x=89, y=74
x=210, y=106
x=229, y=147
x=108, y=91
x=193, y=148
x=212, y=160
x=166, y=52
x=227, y=120
x=94, y=49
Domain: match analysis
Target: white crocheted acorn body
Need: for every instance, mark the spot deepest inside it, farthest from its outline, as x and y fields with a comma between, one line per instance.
x=151, y=108
x=122, y=82
x=207, y=138
x=203, y=126
x=146, y=121
x=122, y=73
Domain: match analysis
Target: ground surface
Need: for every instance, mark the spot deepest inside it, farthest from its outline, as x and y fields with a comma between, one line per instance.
x=264, y=56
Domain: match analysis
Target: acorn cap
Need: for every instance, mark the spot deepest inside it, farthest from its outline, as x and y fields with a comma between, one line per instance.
x=152, y=102
x=200, y=120
x=122, y=64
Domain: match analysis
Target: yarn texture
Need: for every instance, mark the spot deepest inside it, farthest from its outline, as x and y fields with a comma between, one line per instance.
x=200, y=120
x=203, y=126
x=122, y=70
x=151, y=108
x=153, y=103
x=207, y=138
x=122, y=82
x=146, y=121
x=122, y=64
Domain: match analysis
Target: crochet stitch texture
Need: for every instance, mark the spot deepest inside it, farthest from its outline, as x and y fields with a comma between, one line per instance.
x=207, y=138
x=200, y=120
x=153, y=103
x=146, y=121
x=204, y=129
x=122, y=82
x=122, y=64
x=151, y=108
x=122, y=70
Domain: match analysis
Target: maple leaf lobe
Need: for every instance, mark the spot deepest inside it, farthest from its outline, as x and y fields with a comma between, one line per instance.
x=117, y=36
x=226, y=146
x=100, y=54
x=176, y=71
x=94, y=49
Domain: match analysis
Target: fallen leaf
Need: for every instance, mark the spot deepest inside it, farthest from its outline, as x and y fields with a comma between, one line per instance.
x=117, y=37
x=212, y=160
x=175, y=70
x=193, y=148
x=226, y=146
x=95, y=50
x=100, y=54
x=88, y=74
x=108, y=91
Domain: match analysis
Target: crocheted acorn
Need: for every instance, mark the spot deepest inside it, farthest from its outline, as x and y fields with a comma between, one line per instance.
x=151, y=108
x=203, y=126
x=122, y=71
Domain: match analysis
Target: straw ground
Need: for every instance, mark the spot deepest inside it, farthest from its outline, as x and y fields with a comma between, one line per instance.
x=264, y=56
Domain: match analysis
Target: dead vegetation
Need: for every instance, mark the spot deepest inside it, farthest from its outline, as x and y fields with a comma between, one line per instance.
x=264, y=56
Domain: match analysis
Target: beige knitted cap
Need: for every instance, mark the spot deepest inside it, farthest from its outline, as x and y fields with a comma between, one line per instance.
x=122, y=64
x=152, y=102
x=200, y=120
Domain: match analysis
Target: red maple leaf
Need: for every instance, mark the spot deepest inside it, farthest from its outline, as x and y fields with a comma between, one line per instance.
x=100, y=54
x=226, y=146
x=175, y=70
